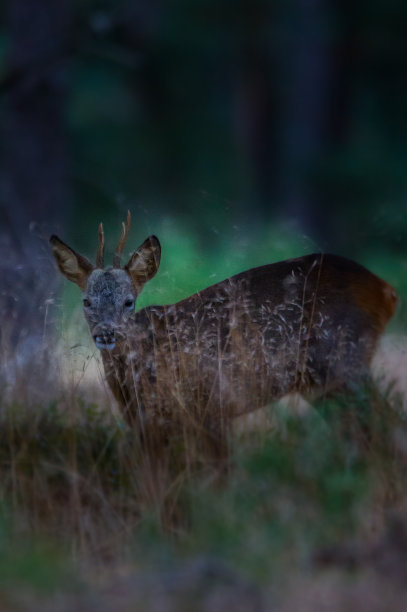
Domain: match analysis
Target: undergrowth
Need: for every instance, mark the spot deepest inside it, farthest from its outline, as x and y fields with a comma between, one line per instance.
x=85, y=485
x=82, y=502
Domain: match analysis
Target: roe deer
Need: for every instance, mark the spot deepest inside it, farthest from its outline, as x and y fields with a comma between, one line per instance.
x=308, y=325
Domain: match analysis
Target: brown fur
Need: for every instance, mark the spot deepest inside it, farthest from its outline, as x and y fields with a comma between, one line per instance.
x=307, y=325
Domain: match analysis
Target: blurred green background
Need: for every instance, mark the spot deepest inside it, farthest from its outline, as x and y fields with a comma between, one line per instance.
x=240, y=132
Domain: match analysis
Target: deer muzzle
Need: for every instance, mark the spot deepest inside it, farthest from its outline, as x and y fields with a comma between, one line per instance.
x=105, y=338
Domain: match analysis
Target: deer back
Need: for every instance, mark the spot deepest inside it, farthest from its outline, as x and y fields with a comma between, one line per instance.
x=309, y=325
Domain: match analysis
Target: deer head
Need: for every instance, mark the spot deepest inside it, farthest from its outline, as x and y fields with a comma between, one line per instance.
x=109, y=294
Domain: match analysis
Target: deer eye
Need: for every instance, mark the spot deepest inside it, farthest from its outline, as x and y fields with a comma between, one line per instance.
x=129, y=303
x=86, y=302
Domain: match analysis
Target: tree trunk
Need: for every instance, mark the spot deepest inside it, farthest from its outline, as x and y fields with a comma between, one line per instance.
x=306, y=80
x=34, y=182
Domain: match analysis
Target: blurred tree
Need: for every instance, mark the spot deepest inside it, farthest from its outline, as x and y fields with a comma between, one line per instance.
x=257, y=103
x=34, y=182
x=218, y=113
x=306, y=72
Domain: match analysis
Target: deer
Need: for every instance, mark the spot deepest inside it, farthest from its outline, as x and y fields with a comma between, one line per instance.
x=308, y=325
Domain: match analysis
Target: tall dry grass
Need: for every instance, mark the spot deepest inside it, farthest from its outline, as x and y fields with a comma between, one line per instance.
x=72, y=472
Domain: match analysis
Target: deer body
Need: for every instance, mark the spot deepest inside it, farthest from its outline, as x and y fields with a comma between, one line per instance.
x=308, y=325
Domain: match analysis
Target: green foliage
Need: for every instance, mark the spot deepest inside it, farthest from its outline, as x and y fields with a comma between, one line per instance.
x=188, y=266
x=74, y=479
x=291, y=491
x=30, y=563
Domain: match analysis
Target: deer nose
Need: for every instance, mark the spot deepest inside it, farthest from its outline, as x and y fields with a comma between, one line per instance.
x=105, y=338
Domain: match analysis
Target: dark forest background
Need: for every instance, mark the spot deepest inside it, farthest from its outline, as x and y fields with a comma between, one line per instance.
x=240, y=132
x=228, y=124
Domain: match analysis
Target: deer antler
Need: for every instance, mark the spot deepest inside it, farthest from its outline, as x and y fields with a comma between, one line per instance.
x=100, y=262
x=122, y=241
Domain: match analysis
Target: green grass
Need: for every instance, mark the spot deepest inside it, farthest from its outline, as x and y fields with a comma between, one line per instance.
x=80, y=500
x=75, y=491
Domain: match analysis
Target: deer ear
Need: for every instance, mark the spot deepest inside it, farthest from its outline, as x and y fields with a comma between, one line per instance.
x=73, y=266
x=144, y=262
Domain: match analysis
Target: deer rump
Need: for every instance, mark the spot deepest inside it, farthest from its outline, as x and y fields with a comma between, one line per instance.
x=308, y=325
